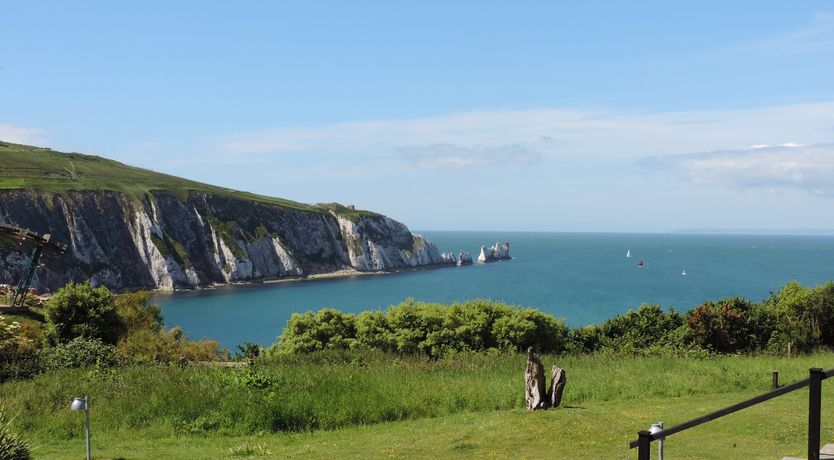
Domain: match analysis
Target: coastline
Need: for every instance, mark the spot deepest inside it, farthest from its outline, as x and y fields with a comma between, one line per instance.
x=338, y=274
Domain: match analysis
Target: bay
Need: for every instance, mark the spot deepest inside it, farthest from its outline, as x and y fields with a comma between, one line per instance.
x=584, y=278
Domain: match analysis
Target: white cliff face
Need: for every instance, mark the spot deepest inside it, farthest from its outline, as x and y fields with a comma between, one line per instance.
x=164, y=241
x=141, y=229
x=400, y=249
x=500, y=251
x=289, y=266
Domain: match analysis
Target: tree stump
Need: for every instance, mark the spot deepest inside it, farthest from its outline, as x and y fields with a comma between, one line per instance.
x=535, y=384
x=557, y=386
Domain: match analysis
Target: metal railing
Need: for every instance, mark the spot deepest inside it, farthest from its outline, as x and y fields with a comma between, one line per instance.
x=814, y=384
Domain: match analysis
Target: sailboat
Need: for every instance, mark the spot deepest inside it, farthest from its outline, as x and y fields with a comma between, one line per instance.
x=683, y=273
x=640, y=264
x=628, y=254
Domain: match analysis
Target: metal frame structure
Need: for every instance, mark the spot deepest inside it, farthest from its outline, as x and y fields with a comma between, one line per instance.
x=41, y=243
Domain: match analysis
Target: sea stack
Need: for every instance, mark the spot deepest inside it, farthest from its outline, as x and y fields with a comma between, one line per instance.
x=500, y=251
x=447, y=258
x=464, y=258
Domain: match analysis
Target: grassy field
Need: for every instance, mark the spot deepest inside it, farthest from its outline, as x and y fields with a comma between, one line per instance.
x=386, y=407
x=29, y=167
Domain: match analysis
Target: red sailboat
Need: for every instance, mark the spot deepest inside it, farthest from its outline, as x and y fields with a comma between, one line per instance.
x=640, y=264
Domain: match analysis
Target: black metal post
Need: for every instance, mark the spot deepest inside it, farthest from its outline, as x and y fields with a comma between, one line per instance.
x=775, y=383
x=644, y=446
x=814, y=412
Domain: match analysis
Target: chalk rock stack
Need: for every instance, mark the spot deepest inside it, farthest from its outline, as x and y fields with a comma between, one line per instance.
x=447, y=258
x=500, y=251
x=464, y=258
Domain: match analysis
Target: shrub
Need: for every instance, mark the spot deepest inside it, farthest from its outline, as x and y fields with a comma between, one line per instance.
x=426, y=328
x=79, y=352
x=725, y=326
x=79, y=310
x=637, y=330
x=804, y=316
x=12, y=446
x=327, y=329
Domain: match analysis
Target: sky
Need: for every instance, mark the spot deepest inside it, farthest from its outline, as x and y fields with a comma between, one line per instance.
x=468, y=115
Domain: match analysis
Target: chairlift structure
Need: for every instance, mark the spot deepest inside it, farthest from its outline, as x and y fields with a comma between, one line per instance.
x=23, y=236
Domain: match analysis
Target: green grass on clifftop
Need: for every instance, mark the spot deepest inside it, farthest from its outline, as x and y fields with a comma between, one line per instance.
x=27, y=167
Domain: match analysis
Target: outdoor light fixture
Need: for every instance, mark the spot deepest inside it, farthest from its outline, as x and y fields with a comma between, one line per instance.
x=656, y=428
x=83, y=403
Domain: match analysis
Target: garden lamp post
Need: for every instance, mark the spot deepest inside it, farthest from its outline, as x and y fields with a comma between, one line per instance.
x=656, y=428
x=83, y=403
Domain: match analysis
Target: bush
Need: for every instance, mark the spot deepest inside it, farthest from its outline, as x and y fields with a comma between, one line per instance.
x=638, y=330
x=725, y=326
x=79, y=352
x=426, y=328
x=12, y=446
x=327, y=329
x=804, y=317
x=79, y=310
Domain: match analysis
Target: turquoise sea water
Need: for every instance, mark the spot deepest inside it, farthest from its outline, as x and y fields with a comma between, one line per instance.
x=582, y=277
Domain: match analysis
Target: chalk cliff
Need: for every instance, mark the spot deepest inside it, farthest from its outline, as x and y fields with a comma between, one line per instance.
x=166, y=240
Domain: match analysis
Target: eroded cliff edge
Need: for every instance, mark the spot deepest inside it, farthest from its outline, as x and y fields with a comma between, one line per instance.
x=163, y=240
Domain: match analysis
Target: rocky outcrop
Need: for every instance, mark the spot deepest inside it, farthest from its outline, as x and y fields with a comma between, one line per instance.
x=448, y=258
x=500, y=251
x=166, y=241
x=464, y=258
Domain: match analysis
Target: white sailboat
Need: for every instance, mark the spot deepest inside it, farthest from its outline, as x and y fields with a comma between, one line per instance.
x=628, y=254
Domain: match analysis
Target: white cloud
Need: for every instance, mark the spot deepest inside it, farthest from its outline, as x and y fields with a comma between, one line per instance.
x=487, y=137
x=22, y=135
x=450, y=156
x=797, y=166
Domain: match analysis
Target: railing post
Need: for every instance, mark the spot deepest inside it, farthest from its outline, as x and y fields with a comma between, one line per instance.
x=814, y=410
x=644, y=446
x=775, y=384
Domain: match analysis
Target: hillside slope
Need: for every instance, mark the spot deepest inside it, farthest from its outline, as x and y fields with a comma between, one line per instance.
x=128, y=228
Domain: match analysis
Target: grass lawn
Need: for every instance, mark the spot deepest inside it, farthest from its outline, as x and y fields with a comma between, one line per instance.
x=386, y=407
x=592, y=430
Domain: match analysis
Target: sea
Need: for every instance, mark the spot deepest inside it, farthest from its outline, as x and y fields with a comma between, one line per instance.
x=584, y=278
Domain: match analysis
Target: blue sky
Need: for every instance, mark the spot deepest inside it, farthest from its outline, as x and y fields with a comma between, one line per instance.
x=599, y=116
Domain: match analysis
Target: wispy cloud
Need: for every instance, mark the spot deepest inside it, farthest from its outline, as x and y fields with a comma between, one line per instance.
x=819, y=34
x=450, y=156
x=797, y=166
x=22, y=135
x=528, y=136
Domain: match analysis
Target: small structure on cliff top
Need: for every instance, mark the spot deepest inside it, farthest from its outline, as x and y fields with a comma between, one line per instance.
x=21, y=236
x=535, y=384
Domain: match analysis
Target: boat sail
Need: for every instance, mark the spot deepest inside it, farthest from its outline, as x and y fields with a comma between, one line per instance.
x=628, y=254
x=640, y=264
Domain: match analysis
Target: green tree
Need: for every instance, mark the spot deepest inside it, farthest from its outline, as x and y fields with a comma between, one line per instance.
x=79, y=310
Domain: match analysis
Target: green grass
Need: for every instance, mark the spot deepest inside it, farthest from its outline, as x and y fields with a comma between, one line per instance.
x=29, y=167
x=376, y=405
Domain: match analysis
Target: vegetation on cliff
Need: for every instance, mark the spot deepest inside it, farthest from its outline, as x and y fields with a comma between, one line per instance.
x=28, y=167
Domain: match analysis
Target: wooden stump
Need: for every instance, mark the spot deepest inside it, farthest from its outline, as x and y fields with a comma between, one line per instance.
x=557, y=386
x=535, y=384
